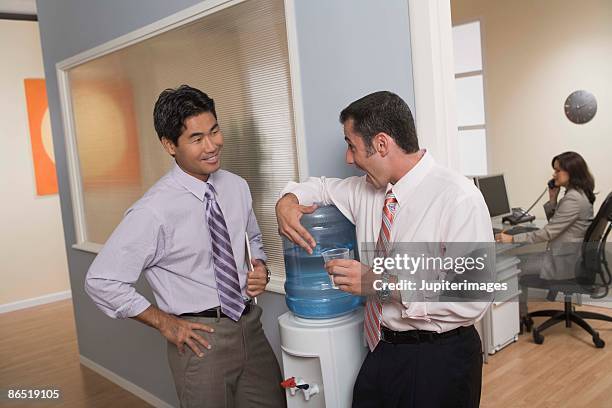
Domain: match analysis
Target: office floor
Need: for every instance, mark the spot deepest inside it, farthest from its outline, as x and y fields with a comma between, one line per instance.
x=38, y=348
x=566, y=371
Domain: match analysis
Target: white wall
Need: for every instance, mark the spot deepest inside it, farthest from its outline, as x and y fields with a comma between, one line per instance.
x=535, y=54
x=31, y=238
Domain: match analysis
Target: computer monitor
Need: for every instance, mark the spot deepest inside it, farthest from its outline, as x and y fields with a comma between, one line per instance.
x=493, y=189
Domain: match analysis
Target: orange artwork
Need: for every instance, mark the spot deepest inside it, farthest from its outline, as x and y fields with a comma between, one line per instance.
x=107, y=133
x=40, y=136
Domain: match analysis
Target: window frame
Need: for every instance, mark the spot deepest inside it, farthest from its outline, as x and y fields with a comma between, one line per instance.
x=474, y=73
x=171, y=22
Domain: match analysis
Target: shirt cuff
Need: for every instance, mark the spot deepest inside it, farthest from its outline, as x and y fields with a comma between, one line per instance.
x=413, y=309
x=135, y=307
x=260, y=255
x=294, y=188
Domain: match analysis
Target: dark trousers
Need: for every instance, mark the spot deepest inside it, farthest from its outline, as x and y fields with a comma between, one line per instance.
x=436, y=374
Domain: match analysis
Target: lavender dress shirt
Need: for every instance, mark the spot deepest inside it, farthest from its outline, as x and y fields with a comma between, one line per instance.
x=166, y=236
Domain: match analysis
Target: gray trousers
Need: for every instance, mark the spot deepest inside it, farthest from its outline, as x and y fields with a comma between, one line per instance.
x=531, y=264
x=239, y=371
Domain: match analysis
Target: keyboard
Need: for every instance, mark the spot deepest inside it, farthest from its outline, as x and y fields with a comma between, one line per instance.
x=519, y=229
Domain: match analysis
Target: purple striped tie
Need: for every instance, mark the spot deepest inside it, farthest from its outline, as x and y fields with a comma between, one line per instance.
x=226, y=273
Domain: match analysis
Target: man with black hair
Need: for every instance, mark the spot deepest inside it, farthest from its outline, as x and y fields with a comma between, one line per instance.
x=422, y=354
x=187, y=234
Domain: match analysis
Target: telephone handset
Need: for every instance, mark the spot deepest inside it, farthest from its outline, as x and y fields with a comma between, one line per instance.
x=551, y=183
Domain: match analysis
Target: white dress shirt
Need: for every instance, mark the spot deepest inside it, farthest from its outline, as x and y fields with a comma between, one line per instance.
x=435, y=204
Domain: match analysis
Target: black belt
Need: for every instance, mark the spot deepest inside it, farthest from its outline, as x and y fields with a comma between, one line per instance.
x=418, y=336
x=216, y=311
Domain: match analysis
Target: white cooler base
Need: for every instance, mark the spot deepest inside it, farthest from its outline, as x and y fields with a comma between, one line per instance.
x=327, y=353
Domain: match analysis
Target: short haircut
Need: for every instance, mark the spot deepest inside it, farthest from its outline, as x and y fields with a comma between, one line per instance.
x=174, y=106
x=386, y=112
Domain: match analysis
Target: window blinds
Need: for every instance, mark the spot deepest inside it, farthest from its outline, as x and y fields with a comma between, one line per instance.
x=239, y=57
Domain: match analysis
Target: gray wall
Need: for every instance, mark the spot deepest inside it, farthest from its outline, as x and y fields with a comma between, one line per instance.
x=67, y=27
x=347, y=49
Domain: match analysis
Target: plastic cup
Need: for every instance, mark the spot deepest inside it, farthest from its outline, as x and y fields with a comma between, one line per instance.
x=336, y=253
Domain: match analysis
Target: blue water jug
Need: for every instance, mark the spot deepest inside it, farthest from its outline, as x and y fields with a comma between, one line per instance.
x=308, y=288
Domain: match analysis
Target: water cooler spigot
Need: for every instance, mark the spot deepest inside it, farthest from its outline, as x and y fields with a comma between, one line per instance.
x=294, y=385
x=290, y=384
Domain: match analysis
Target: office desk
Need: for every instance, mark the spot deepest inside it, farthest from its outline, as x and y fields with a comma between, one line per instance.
x=500, y=325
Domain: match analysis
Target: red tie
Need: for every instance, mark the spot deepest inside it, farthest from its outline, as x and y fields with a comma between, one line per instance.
x=373, y=308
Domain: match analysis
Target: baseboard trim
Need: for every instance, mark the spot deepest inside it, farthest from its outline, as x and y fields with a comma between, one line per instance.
x=605, y=302
x=125, y=384
x=37, y=301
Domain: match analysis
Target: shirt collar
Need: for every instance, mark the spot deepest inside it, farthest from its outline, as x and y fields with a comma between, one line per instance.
x=196, y=186
x=404, y=186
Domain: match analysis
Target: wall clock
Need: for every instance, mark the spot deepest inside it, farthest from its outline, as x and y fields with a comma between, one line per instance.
x=580, y=107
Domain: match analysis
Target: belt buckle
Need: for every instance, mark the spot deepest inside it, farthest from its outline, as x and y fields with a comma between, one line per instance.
x=384, y=335
x=426, y=336
x=248, y=303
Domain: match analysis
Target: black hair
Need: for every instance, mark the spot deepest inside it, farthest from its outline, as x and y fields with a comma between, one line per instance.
x=580, y=177
x=174, y=106
x=386, y=112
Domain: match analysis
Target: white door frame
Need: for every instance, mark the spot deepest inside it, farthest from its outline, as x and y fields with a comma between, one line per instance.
x=433, y=75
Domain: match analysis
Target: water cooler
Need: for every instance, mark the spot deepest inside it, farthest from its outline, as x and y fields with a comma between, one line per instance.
x=322, y=335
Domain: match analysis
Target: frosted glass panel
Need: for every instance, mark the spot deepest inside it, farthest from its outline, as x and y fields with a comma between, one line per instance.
x=239, y=57
x=473, y=152
x=470, y=101
x=466, y=45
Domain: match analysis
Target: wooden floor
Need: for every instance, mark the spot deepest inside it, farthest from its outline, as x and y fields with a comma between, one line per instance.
x=565, y=371
x=38, y=348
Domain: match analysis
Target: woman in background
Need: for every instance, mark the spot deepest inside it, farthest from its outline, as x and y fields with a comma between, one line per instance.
x=568, y=220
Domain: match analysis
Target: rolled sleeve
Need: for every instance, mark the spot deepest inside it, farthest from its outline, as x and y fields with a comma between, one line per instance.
x=327, y=191
x=253, y=231
x=314, y=190
x=115, y=299
x=459, y=313
x=307, y=193
x=456, y=313
x=414, y=310
x=135, y=245
x=255, y=238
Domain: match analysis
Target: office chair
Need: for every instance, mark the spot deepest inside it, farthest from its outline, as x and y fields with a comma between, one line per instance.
x=592, y=265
